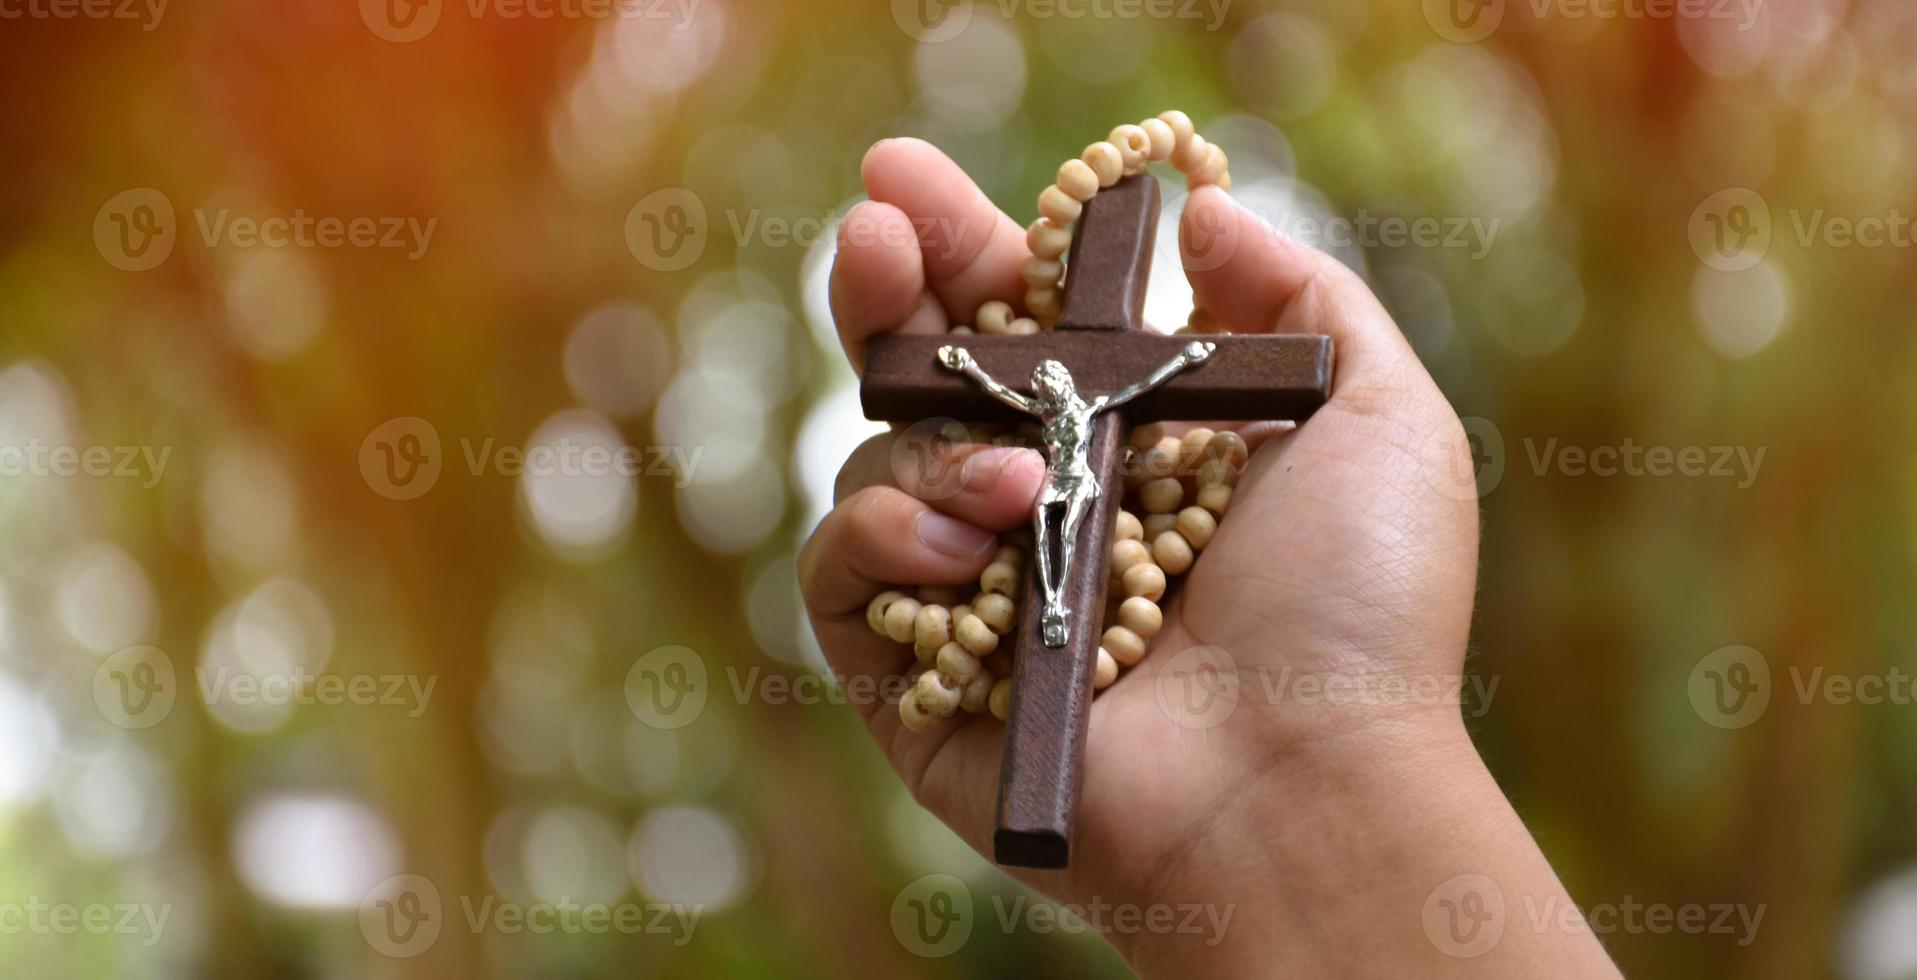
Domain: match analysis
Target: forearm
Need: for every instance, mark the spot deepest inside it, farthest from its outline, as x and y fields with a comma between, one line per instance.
x=1388, y=856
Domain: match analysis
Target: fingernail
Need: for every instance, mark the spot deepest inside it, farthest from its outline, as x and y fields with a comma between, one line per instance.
x=952, y=537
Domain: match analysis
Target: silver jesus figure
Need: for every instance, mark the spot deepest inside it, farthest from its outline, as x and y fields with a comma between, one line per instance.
x=1065, y=422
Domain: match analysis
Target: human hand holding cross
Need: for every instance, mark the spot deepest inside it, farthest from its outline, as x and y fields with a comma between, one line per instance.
x=1348, y=561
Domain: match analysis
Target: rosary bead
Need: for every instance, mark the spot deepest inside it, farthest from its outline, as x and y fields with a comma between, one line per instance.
x=1127, y=552
x=1058, y=206
x=1042, y=302
x=976, y=637
x=959, y=612
x=1128, y=527
x=1162, y=495
x=1010, y=554
x=1173, y=553
x=1142, y=616
x=1211, y=170
x=1162, y=138
x=1197, y=525
x=913, y=714
x=1146, y=436
x=1000, y=700
x=1215, y=499
x=1024, y=326
x=1144, y=579
x=1157, y=524
x=963, y=330
x=1000, y=578
x=1124, y=643
x=1191, y=448
x=1078, y=179
x=1041, y=272
x=1217, y=472
x=957, y=663
x=1229, y=445
x=875, y=611
x=1133, y=145
x=1106, y=672
x=901, y=619
x=936, y=693
x=931, y=630
x=1047, y=240
x=1191, y=155
x=993, y=316
x=997, y=612
x=1181, y=127
x=976, y=693
x=1106, y=161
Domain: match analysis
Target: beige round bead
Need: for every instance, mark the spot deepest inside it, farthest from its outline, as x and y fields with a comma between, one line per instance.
x=1133, y=145
x=931, y=630
x=1173, y=553
x=1000, y=578
x=1215, y=499
x=901, y=619
x=1144, y=579
x=976, y=693
x=1128, y=527
x=1010, y=554
x=1197, y=525
x=1191, y=448
x=1212, y=169
x=1042, y=302
x=1162, y=496
x=1146, y=436
x=959, y=612
x=1162, y=460
x=958, y=663
x=914, y=714
x=1162, y=138
x=1142, y=616
x=1024, y=326
x=1106, y=161
x=1157, y=524
x=1191, y=155
x=936, y=693
x=1000, y=700
x=1127, y=552
x=962, y=330
x=1180, y=124
x=1046, y=239
x=875, y=610
x=1105, y=672
x=976, y=637
x=941, y=595
x=997, y=612
x=1078, y=179
x=993, y=315
x=1041, y=272
x=1215, y=472
x=1124, y=643
x=1229, y=445
x=1059, y=207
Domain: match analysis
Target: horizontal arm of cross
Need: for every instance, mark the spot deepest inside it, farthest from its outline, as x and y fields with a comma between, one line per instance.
x=1249, y=377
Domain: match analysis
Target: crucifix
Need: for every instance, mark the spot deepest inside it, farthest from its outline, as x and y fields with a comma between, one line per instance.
x=1092, y=377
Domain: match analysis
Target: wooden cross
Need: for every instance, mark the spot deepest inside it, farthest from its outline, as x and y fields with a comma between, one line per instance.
x=1100, y=338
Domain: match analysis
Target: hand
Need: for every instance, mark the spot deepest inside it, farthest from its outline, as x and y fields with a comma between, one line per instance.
x=955, y=358
x=1347, y=563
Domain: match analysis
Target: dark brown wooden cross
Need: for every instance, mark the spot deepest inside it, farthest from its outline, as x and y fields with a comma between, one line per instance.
x=1101, y=340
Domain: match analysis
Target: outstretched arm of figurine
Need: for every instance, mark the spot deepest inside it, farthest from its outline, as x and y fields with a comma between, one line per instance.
x=959, y=359
x=1194, y=353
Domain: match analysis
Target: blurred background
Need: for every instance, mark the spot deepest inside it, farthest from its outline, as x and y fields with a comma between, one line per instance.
x=409, y=414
